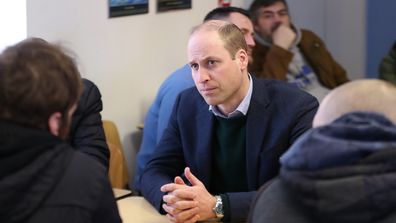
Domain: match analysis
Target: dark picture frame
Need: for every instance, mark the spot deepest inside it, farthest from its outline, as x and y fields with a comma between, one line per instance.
x=166, y=5
x=119, y=8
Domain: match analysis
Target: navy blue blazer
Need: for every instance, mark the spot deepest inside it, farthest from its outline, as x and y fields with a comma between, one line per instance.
x=278, y=114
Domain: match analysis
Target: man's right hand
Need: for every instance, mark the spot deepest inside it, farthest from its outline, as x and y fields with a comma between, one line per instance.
x=283, y=36
x=185, y=203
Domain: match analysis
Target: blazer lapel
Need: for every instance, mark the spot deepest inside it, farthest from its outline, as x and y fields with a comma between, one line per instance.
x=256, y=126
x=205, y=120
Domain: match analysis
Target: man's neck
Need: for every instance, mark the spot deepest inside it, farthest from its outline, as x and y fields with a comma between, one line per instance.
x=235, y=100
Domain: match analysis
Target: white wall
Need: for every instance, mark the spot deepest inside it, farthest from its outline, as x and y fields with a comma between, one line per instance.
x=12, y=22
x=127, y=57
x=309, y=14
x=346, y=34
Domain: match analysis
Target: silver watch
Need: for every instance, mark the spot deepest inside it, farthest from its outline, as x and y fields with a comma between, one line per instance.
x=218, y=208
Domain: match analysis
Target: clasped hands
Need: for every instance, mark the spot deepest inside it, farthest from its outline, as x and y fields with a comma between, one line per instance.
x=184, y=203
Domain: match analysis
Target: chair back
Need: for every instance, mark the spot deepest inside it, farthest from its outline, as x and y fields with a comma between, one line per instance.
x=118, y=171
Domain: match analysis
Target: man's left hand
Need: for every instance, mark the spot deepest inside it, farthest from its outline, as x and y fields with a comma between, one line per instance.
x=185, y=203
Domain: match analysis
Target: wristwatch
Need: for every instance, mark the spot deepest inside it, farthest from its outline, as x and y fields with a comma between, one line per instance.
x=218, y=208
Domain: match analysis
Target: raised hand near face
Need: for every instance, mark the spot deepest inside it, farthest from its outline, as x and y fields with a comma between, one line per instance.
x=283, y=36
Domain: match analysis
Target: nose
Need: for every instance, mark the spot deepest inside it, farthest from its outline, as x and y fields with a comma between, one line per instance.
x=250, y=40
x=277, y=22
x=202, y=75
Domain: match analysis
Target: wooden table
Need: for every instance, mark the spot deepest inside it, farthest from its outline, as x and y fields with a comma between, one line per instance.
x=121, y=193
x=138, y=210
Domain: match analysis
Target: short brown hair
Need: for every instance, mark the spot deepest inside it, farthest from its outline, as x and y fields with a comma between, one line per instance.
x=258, y=4
x=221, y=13
x=229, y=33
x=37, y=79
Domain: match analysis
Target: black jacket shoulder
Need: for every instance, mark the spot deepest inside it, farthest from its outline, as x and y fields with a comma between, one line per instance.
x=83, y=194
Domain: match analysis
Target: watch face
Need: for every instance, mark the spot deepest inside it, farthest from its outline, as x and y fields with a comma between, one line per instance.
x=218, y=209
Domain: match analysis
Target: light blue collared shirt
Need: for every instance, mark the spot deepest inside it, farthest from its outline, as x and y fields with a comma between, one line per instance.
x=242, y=108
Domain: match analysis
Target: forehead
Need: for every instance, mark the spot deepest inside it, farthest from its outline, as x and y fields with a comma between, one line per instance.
x=204, y=44
x=240, y=20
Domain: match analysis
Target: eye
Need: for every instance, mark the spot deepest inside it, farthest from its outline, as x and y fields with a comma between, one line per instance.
x=283, y=13
x=194, y=66
x=267, y=15
x=211, y=62
x=244, y=31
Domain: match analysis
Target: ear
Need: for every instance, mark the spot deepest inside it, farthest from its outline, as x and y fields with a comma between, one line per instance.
x=55, y=123
x=243, y=59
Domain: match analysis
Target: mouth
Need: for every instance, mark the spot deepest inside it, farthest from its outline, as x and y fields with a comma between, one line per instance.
x=208, y=90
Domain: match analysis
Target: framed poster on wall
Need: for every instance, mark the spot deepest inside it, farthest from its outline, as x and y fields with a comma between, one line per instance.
x=166, y=5
x=127, y=7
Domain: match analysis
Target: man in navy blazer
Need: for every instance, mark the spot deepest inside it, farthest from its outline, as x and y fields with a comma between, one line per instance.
x=225, y=136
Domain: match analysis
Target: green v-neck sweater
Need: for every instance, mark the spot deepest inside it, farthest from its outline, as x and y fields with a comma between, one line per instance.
x=229, y=163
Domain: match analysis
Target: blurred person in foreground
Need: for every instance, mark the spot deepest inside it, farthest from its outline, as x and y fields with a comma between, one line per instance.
x=43, y=179
x=86, y=130
x=344, y=169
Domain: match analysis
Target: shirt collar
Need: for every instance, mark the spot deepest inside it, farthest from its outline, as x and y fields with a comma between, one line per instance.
x=242, y=108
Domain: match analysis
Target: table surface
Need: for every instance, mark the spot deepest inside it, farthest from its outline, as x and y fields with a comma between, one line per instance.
x=119, y=193
x=138, y=210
